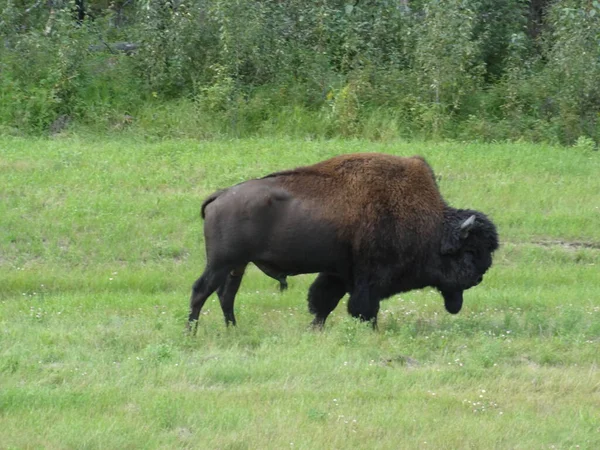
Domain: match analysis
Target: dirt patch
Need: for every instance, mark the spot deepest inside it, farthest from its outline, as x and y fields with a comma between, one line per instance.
x=399, y=360
x=569, y=245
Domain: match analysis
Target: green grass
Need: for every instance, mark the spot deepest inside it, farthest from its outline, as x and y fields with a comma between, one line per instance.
x=100, y=241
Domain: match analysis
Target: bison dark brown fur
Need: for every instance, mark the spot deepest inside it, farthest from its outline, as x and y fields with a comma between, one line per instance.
x=371, y=225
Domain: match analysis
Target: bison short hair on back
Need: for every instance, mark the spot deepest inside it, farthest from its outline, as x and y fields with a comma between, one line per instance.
x=371, y=225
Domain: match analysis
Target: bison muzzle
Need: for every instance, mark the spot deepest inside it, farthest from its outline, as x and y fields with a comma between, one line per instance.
x=371, y=225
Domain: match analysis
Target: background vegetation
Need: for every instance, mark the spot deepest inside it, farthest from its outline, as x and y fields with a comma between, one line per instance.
x=484, y=69
x=101, y=239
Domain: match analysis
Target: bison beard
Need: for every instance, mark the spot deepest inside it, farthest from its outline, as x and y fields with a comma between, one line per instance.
x=371, y=225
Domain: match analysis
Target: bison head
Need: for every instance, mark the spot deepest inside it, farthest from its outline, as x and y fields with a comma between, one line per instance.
x=468, y=241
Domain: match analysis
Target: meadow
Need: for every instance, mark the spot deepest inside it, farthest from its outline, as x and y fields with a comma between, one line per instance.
x=101, y=240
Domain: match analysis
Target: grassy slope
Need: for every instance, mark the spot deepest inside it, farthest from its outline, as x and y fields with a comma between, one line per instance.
x=99, y=245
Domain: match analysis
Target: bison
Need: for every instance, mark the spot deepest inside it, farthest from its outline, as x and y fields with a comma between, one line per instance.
x=370, y=224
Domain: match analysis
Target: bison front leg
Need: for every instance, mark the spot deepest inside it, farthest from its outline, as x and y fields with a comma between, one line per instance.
x=203, y=287
x=364, y=303
x=323, y=296
x=227, y=292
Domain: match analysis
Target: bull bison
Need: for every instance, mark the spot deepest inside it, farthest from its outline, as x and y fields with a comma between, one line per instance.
x=370, y=224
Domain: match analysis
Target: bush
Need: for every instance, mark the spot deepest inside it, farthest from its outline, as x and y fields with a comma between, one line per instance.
x=483, y=69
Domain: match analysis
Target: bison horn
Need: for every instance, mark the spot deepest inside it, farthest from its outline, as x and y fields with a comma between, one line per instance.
x=466, y=226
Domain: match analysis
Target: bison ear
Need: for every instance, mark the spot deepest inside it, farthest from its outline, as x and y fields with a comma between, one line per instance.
x=454, y=235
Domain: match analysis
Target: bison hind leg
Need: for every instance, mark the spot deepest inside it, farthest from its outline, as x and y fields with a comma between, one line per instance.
x=323, y=296
x=203, y=287
x=227, y=292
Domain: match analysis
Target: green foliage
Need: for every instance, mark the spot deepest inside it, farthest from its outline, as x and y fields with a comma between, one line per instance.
x=453, y=69
x=584, y=143
x=447, y=58
x=173, y=52
x=40, y=74
x=573, y=69
x=495, y=27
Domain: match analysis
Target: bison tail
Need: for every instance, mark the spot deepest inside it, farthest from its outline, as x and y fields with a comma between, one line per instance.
x=211, y=198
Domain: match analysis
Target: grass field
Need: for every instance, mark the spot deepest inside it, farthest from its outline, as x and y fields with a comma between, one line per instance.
x=100, y=241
